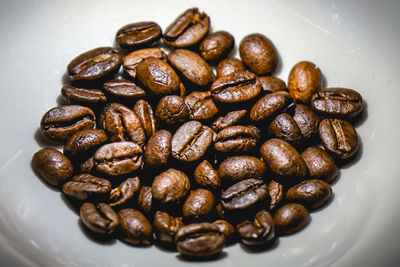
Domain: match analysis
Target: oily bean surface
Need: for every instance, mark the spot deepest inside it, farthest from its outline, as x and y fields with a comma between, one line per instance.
x=172, y=110
x=276, y=193
x=85, y=186
x=199, y=204
x=82, y=96
x=132, y=59
x=82, y=144
x=238, y=138
x=139, y=34
x=200, y=105
x=258, y=232
x=307, y=121
x=238, y=168
x=291, y=218
x=305, y=79
x=229, y=119
x=320, y=165
x=100, y=219
x=271, y=84
x=285, y=127
x=206, y=175
x=311, y=193
x=122, y=89
x=170, y=186
x=216, y=45
x=166, y=227
x=135, y=227
x=270, y=105
x=158, y=148
x=145, y=114
x=124, y=192
x=229, y=66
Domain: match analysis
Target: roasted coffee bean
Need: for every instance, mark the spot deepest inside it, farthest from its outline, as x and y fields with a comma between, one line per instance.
x=227, y=229
x=235, y=88
x=237, y=138
x=170, y=186
x=86, y=166
x=229, y=119
x=139, y=34
x=200, y=105
x=260, y=231
x=276, y=193
x=338, y=137
x=199, y=204
x=157, y=76
x=124, y=192
x=192, y=66
x=272, y=84
x=82, y=96
x=311, y=193
x=60, y=123
x=286, y=128
x=291, y=218
x=270, y=105
x=206, y=175
x=307, y=121
x=166, y=227
x=244, y=195
x=229, y=66
x=216, y=45
x=132, y=60
x=135, y=228
x=320, y=165
x=145, y=113
x=121, y=124
x=283, y=160
x=337, y=102
x=199, y=240
x=52, y=165
x=187, y=30
x=94, y=64
x=158, y=148
x=82, y=144
x=118, y=158
x=85, y=186
x=122, y=89
x=191, y=141
x=238, y=168
x=258, y=54
x=100, y=219
x=305, y=79
x=145, y=199
x=172, y=110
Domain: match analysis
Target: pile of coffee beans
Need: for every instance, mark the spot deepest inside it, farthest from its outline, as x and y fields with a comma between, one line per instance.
x=167, y=152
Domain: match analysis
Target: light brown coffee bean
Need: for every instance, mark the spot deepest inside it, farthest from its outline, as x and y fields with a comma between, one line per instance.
x=199, y=204
x=270, y=105
x=144, y=112
x=320, y=165
x=229, y=66
x=83, y=144
x=272, y=84
x=170, y=186
x=305, y=79
x=158, y=148
x=85, y=186
x=82, y=96
x=206, y=175
x=200, y=105
x=229, y=119
x=216, y=45
x=166, y=227
x=172, y=110
x=132, y=59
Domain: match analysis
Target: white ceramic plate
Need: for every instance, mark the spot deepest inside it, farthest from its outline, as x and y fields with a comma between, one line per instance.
x=355, y=43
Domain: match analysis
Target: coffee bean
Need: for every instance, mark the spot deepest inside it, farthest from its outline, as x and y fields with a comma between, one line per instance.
x=139, y=34
x=227, y=229
x=132, y=60
x=135, y=227
x=258, y=54
x=260, y=231
x=158, y=148
x=270, y=105
x=320, y=165
x=60, y=123
x=82, y=96
x=145, y=199
x=99, y=219
x=170, y=186
x=291, y=218
x=272, y=84
x=200, y=105
x=145, y=113
x=337, y=102
x=118, y=158
x=172, y=110
x=276, y=193
x=237, y=138
x=235, y=88
x=166, y=227
x=94, y=64
x=86, y=186
x=124, y=192
x=311, y=193
x=199, y=240
x=199, y=204
x=305, y=79
x=86, y=166
x=338, y=137
x=229, y=119
x=122, y=89
x=206, y=175
x=286, y=128
x=307, y=121
x=229, y=66
x=187, y=30
x=238, y=168
x=82, y=144
x=216, y=45
x=52, y=166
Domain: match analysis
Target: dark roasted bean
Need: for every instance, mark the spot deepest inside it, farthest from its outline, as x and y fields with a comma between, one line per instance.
x=260, y=231
x=286, y=128
x=166, y=227
x=132, y=60
x=206, y=175
x=124, y=192
x=270, y=105
x=83, y=144
x=122, y=89
x=238, y=168
x=158, y=148
x=85, y=186
x=276, y=193
x=272, y=84
x=307, y=121
x=200, y=105
x=237, y=138
x=139, y=34
x=99, y=219
x=199, y=204
x=170, y=186
x=229, y=119
x=172, y=110
x=320, y=165
x=145, y=113
x=216, y=45
x=311, y=193
x=82, y=96
x=135, y=227
x=291, y=218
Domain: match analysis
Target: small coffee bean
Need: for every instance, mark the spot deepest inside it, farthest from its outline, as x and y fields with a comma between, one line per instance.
x=276, y=193
x=86, y=166
x=320, y=165
x=229, y=119
x=166, y=227
x=337, y=102
x=100, y=219
x=158, y=148
x=124, y=192
x=229, y=66
x=135, y=227
x=170, y=186
x=286, y=128
x=310, y=193
x=227, y=229
x=270, y=105
x=187, y=30
x=238, y=168
x=122, y=89
x=94, y=64
x=139, y=34
x=307, y=121
x=82, y=144
x=85, y=186
x=144, y=112
x=305, y=79
x=60, y=123
x=200, y=105
x=216, y=45
x=260, y=231
x=145, y=199
x=338, y=137
x=52, y=165
x=199, y=240
x=206, y=175
x=237, y=138
x=118, y=158
x=132, y=59
x=291, y=218
x=272, y=84
x=258, y=54
x=172, y=110
x=199, y=204
x=82, y=96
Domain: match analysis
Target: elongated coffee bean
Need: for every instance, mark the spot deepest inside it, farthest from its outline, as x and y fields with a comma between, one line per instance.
x=237, y=138
x=100, y=219
x=139, y=34
x=84, y=186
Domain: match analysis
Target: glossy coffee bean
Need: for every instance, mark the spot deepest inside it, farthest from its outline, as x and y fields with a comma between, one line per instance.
x=199, y=204
x=86, y=166
x=170, y=186
x=100, y=218
x=124, y=192
x=229, y=119
x=291, y=218
x=238, y=168
x=259, y=231
x=311, y=193
x=60, y=123
x=158, y=148
x=272, y=84
x=191, y=141
x=320, y=165
x=305, y=79
x=82, y=96
x=337, y=102
x=122, y=89
x=276, y=194
x=270, y=105
x=192, y=66
x=235, y=88
x=118, y=158
x=172, y=110
x=307, y=121
x=229, y=66
x=338, y=137
x=238, y=138
x=216, y=45
x=86, y=186
x=94, y=64
x=166, y=227
x=52, y=165
x=145, y=199
x=199, y=240
x=286, y=128
x=227, y=229
x=82, y=144
x=144, y=112
x=206, y=175
x=200, y=105
x=187, y=30
x=258, y=54
x=139, y=34
x=135, y=227
x=132, y=59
